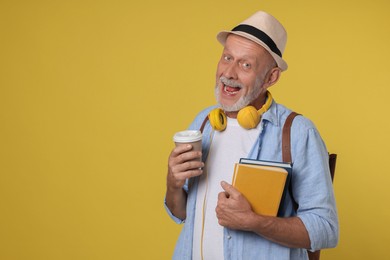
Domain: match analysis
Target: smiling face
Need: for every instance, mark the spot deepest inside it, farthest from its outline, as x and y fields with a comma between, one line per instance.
x=244, y=73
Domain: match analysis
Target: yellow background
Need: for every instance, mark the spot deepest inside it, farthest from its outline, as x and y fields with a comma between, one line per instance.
x=92, y=91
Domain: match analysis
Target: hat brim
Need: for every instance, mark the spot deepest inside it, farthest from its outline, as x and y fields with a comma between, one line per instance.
x=222, y=36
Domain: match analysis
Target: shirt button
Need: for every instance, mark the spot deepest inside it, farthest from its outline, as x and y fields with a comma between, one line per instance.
x=229, y=237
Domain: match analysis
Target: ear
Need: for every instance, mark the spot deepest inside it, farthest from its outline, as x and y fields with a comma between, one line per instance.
x=272, y=77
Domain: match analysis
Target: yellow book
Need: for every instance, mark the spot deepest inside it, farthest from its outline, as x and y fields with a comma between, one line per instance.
x=262, y=186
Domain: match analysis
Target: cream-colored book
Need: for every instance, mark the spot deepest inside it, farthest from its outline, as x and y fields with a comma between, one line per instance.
x=262, y=186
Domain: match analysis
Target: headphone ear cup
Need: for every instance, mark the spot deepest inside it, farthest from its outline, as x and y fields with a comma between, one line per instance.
x=218, y=119
x=248, y=117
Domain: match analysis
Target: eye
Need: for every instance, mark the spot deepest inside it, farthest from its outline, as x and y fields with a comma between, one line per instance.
x=246, y=65
x=227, y=58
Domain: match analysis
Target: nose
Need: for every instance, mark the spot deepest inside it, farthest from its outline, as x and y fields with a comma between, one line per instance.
x=230, y=71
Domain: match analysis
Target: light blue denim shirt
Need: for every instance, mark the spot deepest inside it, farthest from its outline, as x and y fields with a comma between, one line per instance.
x=311, y=187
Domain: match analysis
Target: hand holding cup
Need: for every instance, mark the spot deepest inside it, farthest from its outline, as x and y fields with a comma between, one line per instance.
x=185, y=160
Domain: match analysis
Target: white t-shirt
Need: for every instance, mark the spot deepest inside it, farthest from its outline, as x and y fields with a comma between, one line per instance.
x=226, y=149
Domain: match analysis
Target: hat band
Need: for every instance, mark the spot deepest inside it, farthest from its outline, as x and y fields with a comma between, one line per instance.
x=262, y=36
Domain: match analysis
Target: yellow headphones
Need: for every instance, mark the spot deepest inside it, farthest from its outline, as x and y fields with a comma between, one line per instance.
x=248, y=117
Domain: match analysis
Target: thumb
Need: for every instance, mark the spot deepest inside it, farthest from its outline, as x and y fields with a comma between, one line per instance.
x=229, y=189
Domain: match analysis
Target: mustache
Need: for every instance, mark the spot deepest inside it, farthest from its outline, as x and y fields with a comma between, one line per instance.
x=231, y=83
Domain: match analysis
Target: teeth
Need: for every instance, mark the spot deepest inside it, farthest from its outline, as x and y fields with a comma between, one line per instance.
x=229, y=92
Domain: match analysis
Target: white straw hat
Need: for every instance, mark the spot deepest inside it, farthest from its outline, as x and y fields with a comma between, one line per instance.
x=265, y=30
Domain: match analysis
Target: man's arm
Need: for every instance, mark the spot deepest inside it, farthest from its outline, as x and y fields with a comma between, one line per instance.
x=181, y=166
x=234, y=212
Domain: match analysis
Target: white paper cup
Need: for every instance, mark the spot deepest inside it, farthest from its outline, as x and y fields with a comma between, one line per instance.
x=192, y=137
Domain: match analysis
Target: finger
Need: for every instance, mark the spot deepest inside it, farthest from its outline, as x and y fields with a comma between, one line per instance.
x=184, y=167
x=177, y=158
x=177, y=179
x=181, y=176
x=194, y=173
x=187, y=165
x=180, y=149
x=222, y=195
x=229, y=189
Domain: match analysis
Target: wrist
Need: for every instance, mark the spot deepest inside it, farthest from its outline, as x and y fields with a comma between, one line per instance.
x=252, y=222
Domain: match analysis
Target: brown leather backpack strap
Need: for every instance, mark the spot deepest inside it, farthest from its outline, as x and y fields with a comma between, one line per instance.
x=314, y=255
x=286, y=138
x=286, y=147
x=204, y=123
x=332, y=164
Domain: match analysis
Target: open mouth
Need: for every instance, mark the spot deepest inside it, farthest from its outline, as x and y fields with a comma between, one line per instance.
x=231, y=90
x=230, y=87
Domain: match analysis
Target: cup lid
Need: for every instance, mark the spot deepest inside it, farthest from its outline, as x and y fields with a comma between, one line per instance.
x=187, y=136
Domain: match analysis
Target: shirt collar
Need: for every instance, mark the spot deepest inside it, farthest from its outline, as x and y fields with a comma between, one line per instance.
x=271, y=115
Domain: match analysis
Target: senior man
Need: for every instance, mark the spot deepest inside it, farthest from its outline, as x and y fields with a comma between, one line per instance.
x=219, y=222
